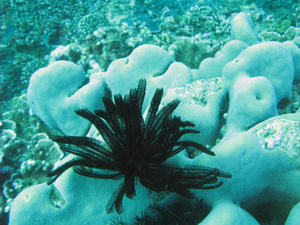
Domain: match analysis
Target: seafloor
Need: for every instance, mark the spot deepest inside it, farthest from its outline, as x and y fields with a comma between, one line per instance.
x=92, y=34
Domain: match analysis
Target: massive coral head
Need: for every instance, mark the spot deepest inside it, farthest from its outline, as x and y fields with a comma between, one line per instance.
x=136, y=148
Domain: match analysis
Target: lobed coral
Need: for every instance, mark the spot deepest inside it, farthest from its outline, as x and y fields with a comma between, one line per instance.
x=26, y=155
x=137, y=148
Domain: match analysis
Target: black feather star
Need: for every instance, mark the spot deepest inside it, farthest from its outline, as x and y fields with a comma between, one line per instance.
x=136, y=148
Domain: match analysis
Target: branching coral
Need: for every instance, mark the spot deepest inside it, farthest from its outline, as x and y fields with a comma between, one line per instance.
x=137, y=148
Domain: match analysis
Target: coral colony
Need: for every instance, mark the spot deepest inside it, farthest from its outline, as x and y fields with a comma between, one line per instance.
x=137, y=148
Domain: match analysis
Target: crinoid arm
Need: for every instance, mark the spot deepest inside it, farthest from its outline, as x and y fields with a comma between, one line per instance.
x=180, y=180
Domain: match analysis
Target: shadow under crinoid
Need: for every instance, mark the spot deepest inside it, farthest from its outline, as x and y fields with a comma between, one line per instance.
x=176, y=211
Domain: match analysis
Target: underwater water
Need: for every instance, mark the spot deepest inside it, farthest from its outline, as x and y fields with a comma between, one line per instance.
x=253, y=104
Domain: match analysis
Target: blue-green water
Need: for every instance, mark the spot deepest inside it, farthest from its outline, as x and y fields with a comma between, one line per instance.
x=97, y=33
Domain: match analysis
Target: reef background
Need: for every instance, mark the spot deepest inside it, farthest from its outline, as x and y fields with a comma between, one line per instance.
x=92, y=34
